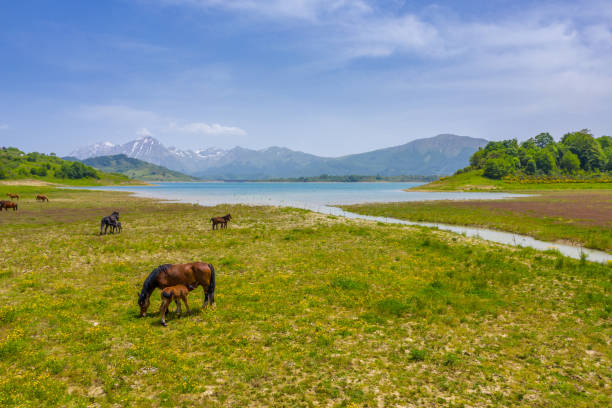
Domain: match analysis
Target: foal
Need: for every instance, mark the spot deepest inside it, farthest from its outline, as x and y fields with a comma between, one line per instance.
x=174, y=293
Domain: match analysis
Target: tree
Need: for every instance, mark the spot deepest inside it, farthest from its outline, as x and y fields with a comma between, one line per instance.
x=588, y=150
x=605, y=142
x=477, y=159
x=570, y=162
x=543, y=140
x=497, y=168
x=545, y=161
x=531, y=166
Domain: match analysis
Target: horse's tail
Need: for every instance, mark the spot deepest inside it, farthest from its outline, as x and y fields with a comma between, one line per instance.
x=211, y=285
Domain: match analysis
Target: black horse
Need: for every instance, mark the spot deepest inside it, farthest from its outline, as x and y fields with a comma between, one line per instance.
x=116, y=227
x=109, y=221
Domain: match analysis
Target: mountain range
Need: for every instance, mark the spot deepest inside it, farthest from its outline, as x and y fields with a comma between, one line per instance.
x=438, y=155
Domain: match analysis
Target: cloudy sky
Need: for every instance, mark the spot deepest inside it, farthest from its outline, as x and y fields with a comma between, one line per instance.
x=328, y=77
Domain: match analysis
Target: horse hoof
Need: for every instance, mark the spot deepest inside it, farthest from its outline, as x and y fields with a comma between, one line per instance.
x=164, y=324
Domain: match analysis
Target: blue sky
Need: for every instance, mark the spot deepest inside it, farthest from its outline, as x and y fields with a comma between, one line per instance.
x=329, y=77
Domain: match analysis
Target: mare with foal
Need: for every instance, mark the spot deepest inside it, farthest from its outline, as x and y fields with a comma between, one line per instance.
x=189, y=274
x=110, y=221
x=216, y=221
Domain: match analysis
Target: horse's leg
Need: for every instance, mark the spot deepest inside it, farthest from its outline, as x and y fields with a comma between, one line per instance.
x=178, y=307
x=184, y=297
x=211, y=299
x=162, y=310
x=205, y=297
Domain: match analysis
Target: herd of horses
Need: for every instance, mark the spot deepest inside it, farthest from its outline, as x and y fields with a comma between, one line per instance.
x=6, y=204
x=174, y=280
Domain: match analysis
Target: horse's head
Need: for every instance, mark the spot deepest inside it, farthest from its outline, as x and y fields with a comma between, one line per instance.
x=143, y=302
x=228, y=217
x=115, y=215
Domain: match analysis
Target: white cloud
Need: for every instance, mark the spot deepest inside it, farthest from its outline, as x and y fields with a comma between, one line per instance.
x=208, y=129
x=312, y=10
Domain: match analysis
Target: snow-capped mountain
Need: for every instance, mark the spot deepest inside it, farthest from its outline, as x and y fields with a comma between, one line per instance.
x=94, y=150
x=151, y=150
x=442, y=154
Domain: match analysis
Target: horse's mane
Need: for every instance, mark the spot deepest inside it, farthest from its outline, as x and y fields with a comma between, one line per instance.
x=151, y=282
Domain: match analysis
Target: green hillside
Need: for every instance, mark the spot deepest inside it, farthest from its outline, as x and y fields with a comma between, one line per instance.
x=578, y=160
x=17, y=165
x=136, y=169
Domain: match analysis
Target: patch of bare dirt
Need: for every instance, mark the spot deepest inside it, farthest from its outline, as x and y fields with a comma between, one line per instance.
x=590, y=208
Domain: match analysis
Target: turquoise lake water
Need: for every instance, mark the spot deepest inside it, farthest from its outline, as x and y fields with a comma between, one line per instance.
x=322, y=197
x=303, y=195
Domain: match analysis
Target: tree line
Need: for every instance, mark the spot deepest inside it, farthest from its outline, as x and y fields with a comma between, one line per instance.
x=576, y=153
x=16, y=164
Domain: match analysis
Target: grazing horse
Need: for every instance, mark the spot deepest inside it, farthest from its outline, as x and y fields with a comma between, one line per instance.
x=174, y=293
x=8, y=204
x=41, y=197
x=13, y=196
x=220, y=220
x=194, y=274
x=109, y=221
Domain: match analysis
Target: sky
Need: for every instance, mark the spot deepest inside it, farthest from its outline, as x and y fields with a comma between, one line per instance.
x=329, y=77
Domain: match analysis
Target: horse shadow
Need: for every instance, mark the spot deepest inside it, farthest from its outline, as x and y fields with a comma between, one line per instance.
x=154, y=317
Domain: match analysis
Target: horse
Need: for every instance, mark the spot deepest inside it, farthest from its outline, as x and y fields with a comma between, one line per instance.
x=41, y=197
x=109, y=221
x=8, y=204
x=196, y=273
x=13, y=196
x=116, y=227
x=174, y=293
x=220, y=220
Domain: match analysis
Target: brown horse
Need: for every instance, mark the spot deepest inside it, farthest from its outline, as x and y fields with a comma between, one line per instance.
x=8, y=204
x=13, y=196
x=42, y=198
x=194, y=274
x=220, y=220
x=174, y=293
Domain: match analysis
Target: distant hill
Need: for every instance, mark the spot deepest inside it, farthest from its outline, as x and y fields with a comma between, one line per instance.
x=135, y=168
x=439, y=155
x=15, y=165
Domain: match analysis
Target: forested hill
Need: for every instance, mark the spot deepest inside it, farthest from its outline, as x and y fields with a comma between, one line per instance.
x=135, y=169
x=15, y=164
x=577, y=154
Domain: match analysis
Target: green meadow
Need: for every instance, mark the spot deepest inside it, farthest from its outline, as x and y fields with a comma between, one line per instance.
x=312, y=310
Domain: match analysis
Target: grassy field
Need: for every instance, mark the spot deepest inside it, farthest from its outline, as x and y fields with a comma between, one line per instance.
x=578, y=216
x=312, y=310
x=474, y=181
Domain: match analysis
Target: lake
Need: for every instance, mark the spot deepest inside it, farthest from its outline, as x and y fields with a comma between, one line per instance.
x=322, y=197
x=311, y=196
